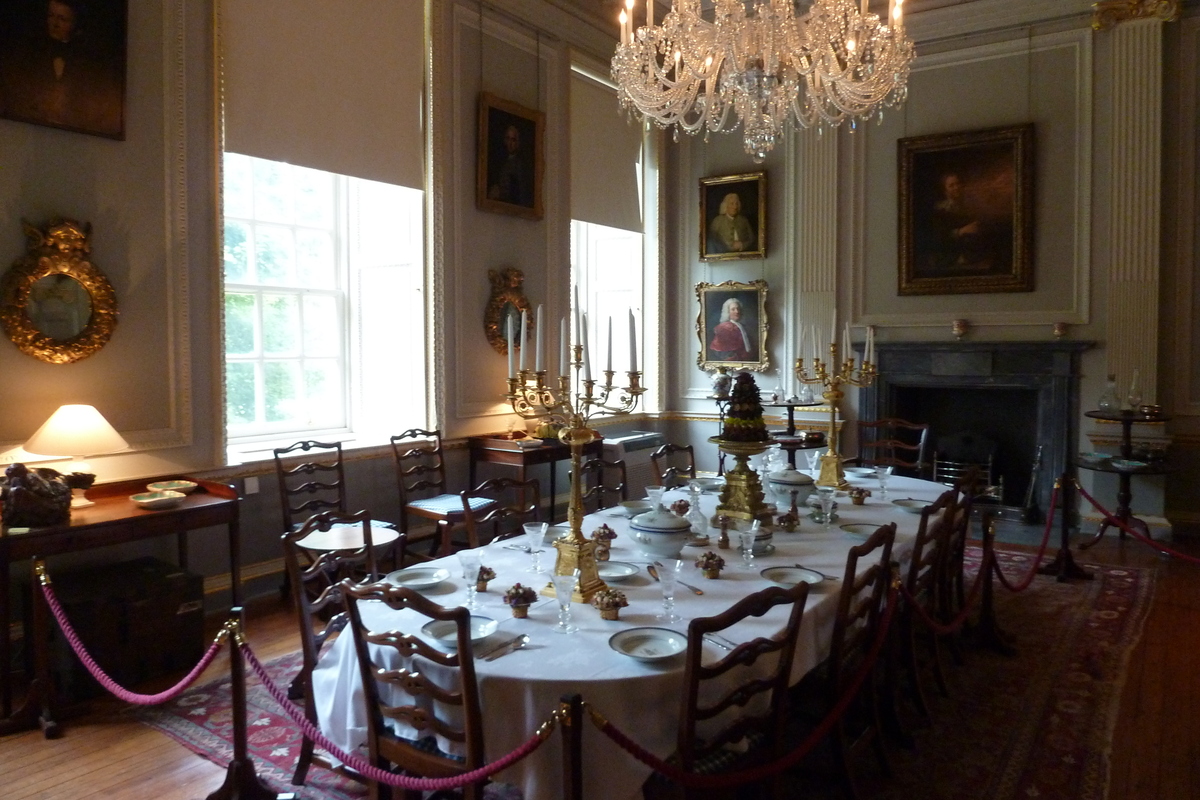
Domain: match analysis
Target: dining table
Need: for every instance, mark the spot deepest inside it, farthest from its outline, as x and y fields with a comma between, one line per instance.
x=520, y=690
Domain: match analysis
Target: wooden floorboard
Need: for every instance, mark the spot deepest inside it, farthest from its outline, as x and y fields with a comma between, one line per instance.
x=1155, y=754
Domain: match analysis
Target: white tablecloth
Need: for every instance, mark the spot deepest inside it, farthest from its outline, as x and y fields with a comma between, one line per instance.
x=519, y=691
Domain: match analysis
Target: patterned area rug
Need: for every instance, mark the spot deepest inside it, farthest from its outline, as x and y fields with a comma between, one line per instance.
x=1035, y=725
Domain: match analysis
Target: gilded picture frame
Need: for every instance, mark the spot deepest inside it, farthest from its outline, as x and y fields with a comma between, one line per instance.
x=507, y=301
x=733, y=217
x=511, y=158
x=732, y=325
x=966, y=209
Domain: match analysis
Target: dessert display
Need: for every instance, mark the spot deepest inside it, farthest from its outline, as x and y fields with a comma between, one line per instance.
x=744, y=418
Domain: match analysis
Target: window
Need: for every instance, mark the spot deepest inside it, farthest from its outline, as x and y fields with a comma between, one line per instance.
x=323, y=277
x=607, y=266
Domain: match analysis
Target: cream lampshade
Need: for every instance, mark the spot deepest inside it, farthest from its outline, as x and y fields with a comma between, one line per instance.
x=77, y=431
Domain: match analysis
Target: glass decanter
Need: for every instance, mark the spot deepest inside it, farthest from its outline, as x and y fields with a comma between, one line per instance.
x=1108, y=400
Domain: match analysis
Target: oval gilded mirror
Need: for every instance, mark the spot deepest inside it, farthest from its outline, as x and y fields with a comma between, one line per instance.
x=55, y=305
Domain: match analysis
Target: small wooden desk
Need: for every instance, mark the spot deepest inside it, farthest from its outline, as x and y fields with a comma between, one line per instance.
x=114, y=519
x=493, y=450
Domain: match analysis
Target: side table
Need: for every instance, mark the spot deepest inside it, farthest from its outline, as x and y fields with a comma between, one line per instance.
x=511, y=453
x=789, y=442
x=1124, y=513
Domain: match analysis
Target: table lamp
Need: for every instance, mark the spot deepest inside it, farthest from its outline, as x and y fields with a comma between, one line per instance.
x=77, y=431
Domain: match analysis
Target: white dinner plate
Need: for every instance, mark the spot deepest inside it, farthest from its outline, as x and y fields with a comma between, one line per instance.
x=615, y=571
x=709, y=484
x=445, y=632
x=790, y=576
x=911, y=506
x=861, y=472
x=860, y=530
x=648, y=644
x=417, y=577
x=633, y=507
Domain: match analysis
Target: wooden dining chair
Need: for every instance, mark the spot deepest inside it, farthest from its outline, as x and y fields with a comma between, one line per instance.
x=513, y=503
x=431, y=692
x=597, y=492
x=674, y=464
x=316, y=585
x=855, y=626
x=421, y=484
x=951, y=580
x=895, y=443
x=734, y=709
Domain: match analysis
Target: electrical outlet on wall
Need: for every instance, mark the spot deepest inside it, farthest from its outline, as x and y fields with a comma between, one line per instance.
x=251, y=485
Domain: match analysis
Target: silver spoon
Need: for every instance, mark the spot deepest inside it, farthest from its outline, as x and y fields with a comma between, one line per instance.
x=822, y=574
x=511, y=647
x=654, y=574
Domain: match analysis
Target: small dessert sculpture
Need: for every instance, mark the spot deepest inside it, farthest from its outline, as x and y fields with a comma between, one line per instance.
x=519, y=598
x=603, y=537
x=858, y=495
x=744, y=419
x=710, y=564
x=681, y=507
x=481, y=581
x=610, y=602
x=788, y=522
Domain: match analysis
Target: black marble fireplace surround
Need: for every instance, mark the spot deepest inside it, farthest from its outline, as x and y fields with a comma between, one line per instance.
x=1017, y=394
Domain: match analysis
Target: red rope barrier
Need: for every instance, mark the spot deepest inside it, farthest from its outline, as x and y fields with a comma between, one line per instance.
x=1037, y=560
x=944, y=629
x=108, y=683
x=374, y=773
x=1162, y=548
x=726, y=780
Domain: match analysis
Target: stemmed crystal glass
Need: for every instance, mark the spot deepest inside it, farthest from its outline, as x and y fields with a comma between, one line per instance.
x=655, y=494
x=825, y=497
x=814, y=461
x=883, y=473
x=564, y=586
x=746, y=540
x=470, y=560
x=535, y=537
x=668, y=571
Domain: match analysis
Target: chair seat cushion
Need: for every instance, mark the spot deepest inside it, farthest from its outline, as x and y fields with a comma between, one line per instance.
x=449, y=505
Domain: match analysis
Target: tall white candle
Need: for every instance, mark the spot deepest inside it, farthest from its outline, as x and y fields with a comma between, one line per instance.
x=508, y=335
x=812, y=327
x=800, y=344
x=649, y=13
x=562, y=347
x=871, y=343
x=846, y=340
x=608, y=362
x=521, y=339
x=575, y=318
x=537, y=340
x=587, y=356
x=832, y=329
x=632, y=343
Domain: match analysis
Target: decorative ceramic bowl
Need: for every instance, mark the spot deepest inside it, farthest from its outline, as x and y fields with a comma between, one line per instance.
x=636, y=506
x=1094, y=459
x=187, y=487
x=156, y=501
x=659, y=533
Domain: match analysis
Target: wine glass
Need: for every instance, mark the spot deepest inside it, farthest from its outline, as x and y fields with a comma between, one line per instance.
x=655, y=494
x=883, y=473
x=470, y=560
x=535, y=537
x=814, y=461
x=668, y=571
x=825, y=497
x=746, y=540
x=564, y=586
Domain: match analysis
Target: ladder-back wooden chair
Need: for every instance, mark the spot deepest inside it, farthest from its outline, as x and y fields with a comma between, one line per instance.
x=894, y=443
x=674, y=464
x=598, y=492
x=513, y=503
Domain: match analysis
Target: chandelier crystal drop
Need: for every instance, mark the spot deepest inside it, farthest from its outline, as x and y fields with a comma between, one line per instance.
x=757, y=63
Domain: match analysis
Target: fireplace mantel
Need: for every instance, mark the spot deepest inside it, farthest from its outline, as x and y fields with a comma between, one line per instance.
x=1051, y=369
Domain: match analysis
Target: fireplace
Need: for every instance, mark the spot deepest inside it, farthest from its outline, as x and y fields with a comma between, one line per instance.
x=1006, y=396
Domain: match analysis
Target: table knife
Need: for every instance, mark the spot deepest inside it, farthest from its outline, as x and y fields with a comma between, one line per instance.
x=509, y=647
x=498, y=646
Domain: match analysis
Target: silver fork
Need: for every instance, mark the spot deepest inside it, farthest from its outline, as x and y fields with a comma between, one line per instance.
x=720, y=641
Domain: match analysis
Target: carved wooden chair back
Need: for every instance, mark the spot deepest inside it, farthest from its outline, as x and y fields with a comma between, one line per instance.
x=315, y=485
x=511, y=504
x=894, y=443
x=421, y=483
x=407, y=681
x=674, y=464
x=597, y=492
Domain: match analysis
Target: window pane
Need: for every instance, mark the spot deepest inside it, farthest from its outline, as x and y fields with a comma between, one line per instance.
x=238, y=194
x=240, y=393
x=322, y=325
x=273, y=191
x=281, y=324
x=275, y=255
x=323, y=386
x=315, y=264
x=314, y=198
x=239, y=324
x=280, y=385
x=237, y=252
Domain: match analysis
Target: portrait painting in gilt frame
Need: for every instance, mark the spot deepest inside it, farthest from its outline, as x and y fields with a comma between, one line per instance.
x=62, y=64
x=511, y=157
x=966, y=212
x=733, y=217
x=732, y=325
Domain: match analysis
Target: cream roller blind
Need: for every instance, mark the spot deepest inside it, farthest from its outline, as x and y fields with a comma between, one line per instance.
x=606, y=152
x=334, y=85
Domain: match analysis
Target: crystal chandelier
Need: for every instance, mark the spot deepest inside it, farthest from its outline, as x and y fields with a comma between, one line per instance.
x=761, y=61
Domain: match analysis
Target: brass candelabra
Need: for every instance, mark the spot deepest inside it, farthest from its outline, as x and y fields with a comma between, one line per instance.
x=531, y=395
x=845, y=372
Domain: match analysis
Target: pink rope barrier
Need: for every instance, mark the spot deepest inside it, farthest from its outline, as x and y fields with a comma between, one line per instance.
x=102, y=677
x=729, y=779
x=1037, y=560
x=374, y=773
x=1112, y=520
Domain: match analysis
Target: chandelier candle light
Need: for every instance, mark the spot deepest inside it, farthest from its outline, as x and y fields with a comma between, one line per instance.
x=759, y=60
x=832, y=377
x=578, y=401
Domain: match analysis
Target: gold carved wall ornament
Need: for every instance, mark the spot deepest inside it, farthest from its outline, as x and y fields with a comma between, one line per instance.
x=507, y=301
x=55, y=305
x=1108, y=13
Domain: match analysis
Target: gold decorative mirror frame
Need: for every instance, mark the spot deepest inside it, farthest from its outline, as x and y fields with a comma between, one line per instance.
x=506, y=291
x=62, y=249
